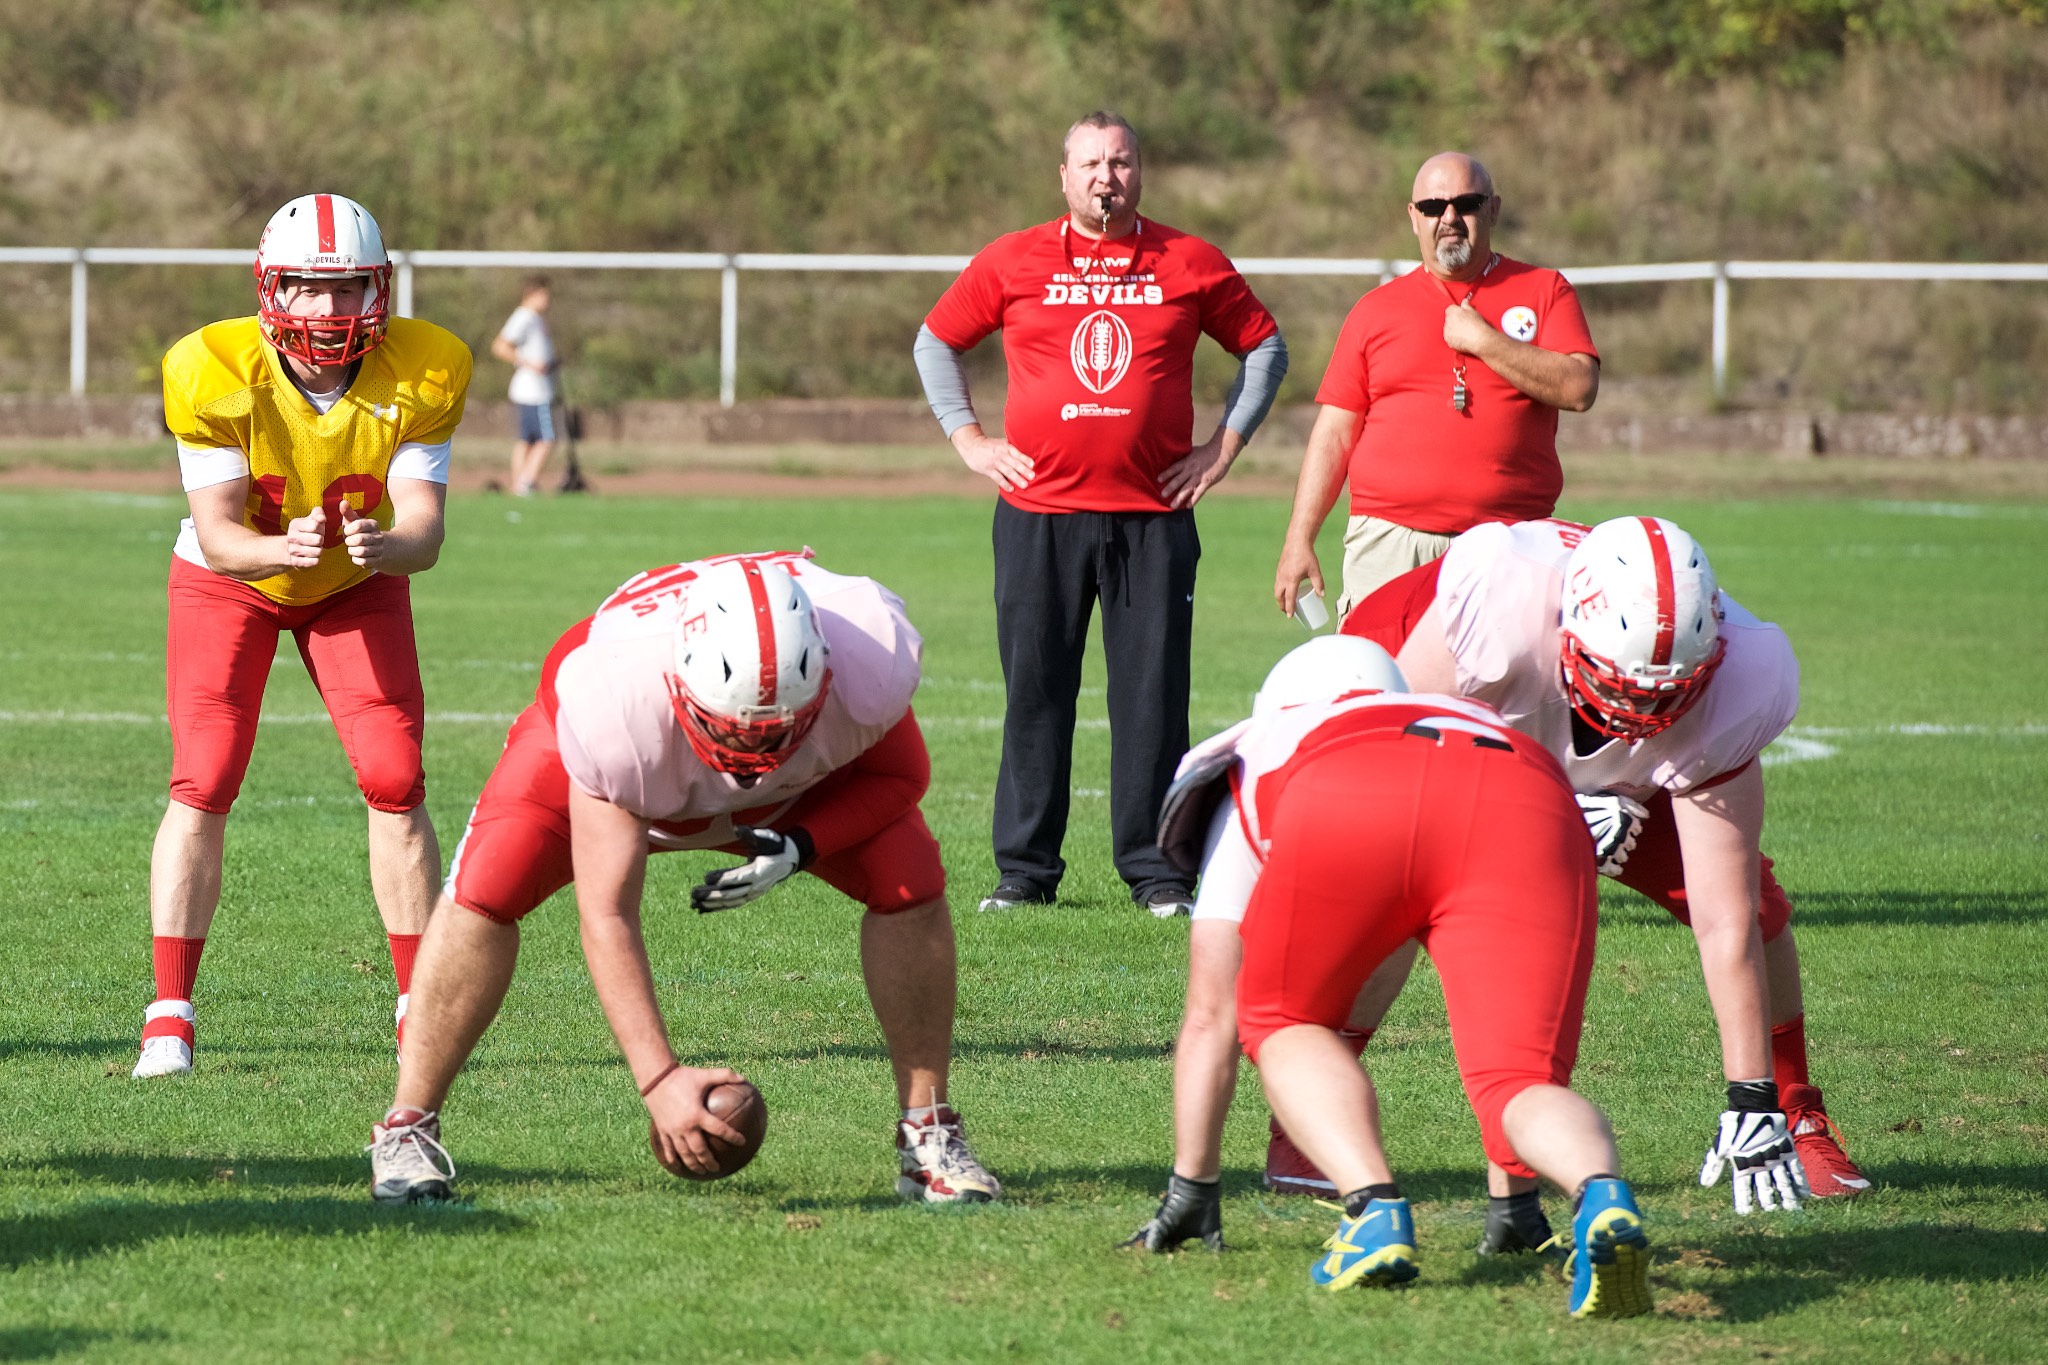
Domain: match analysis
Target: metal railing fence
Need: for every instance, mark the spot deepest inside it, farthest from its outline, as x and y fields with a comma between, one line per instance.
x=729, y=266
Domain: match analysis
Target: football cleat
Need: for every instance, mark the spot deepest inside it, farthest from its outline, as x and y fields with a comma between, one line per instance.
x=936, y=1166
x=408, y=1164
x=1378, y=1247
x=1288, y=1171
x=167, y=1038
x=1829, y=1170
x=1610, y=1260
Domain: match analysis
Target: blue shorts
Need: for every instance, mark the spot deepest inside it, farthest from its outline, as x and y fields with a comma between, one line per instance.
x=536, y=422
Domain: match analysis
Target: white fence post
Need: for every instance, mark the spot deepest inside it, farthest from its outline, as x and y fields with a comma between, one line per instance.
x=78, y=313
x=404, y=290
x=1720, y=347
x=728, y=333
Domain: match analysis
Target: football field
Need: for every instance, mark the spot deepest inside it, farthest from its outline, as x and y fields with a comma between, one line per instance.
x=225, y=1216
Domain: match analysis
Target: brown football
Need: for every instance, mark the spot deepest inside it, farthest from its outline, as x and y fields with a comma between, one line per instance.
x=740, y=1105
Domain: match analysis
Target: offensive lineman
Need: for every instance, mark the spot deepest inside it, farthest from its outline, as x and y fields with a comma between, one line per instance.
x=751, y=703
x=1614, y=648
x=313, y=441
x=1344, y=818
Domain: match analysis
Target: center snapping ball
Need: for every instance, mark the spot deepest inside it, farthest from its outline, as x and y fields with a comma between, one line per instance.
x=739, y=1104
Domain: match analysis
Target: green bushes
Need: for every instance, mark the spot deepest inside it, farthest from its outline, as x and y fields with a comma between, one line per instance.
x=1619, y=130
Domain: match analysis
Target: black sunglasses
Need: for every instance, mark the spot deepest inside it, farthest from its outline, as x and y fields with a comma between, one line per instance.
x=1465, y=204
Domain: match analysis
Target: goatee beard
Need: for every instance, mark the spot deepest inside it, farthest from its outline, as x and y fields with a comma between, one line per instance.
x=1455, y=254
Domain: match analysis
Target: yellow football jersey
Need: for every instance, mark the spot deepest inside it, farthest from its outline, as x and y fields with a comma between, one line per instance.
x=225, y=387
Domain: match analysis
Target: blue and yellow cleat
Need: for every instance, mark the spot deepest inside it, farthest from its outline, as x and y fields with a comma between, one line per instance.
x=1610, y=1261
x=1377, y=1246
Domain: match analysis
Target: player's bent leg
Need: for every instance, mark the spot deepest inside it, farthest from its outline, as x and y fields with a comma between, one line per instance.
x=1287, y=1170
x=1204, y=1079
x=464, y=968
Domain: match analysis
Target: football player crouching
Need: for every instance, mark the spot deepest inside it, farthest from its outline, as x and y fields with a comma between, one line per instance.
x=756, y=704
x=1614, y=648
x=1346, y=818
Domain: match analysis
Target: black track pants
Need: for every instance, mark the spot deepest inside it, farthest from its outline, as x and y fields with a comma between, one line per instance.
x=1050, y=570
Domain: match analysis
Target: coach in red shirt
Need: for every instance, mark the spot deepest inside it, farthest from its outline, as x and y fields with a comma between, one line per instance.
x=1441, y=398
x=1100, y=311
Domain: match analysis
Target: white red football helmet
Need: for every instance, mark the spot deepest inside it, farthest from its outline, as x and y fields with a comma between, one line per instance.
x=1641, y=618
x=1326, y=667
x=327, y=237
x=751, y=666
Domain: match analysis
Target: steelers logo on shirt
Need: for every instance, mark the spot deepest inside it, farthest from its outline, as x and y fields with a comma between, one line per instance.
x=1519, y=322
x=1101, y=350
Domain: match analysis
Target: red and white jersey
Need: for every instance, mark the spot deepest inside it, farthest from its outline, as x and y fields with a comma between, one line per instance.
x=1270, y=749
x=621, y=742
x=1498, y=597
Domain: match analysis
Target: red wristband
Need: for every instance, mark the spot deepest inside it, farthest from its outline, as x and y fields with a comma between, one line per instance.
x=660, y=1076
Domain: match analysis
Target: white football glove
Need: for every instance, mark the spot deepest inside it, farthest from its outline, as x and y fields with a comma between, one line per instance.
x=1763, y=1165
x=1615, y=821
x=775, y=858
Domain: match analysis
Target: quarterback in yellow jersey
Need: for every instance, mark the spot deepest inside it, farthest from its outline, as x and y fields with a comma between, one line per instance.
x=313, y=440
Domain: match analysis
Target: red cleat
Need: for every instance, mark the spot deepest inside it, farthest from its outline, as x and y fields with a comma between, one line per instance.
x=1288, y=1171
x=1828, y=1168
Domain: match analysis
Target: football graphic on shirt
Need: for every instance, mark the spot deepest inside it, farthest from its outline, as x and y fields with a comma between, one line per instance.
x=1101, y=350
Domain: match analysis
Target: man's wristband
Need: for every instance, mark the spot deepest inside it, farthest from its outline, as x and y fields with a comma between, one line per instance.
x=1754, y=1097
x=806, y=851
x=659, y=1077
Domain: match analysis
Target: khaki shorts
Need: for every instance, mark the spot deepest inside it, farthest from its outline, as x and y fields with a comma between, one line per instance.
x=1376, y=552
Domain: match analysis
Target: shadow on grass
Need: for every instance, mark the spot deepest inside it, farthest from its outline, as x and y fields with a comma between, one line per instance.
x=1900, y=906
x=1771, y=1274
x=43, y=1343
x=12, y=1048
x=1969, y=1175
x=104, y=1225
x=258, y=1171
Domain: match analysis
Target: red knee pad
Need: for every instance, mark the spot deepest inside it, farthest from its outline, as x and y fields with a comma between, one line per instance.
x=897, y=869
x=386, y=758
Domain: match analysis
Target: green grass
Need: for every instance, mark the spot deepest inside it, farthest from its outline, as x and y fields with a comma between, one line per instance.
x=226, y=1217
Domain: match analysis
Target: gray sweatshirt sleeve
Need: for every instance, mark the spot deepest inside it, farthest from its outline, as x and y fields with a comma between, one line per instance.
x=1258, y=382
x=945, y=381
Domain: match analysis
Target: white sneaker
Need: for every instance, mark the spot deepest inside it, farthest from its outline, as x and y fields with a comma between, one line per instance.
x=936, y=1166
x=167, y=1037
x=408, y=1164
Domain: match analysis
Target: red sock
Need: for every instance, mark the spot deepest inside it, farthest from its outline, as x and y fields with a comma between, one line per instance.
x=177, y=965
x=1788, y=1053
x=403, y=948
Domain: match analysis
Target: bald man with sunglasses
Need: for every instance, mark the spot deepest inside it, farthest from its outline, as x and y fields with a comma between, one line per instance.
x=1440, y=402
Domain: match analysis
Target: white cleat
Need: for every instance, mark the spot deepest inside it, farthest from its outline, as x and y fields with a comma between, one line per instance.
x=936, y=1166
x=167, y=1037
x=163, y=1057
x=408, y=1164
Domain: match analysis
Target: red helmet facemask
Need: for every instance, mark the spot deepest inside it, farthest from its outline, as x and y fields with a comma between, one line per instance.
x=740, y=746
x=338, y=339
x=1625, y=706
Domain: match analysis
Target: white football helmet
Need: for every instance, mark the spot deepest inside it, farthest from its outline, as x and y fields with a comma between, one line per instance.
x=327, y=237
x=751, y=668
x=1642, y=626
x=1326, y=667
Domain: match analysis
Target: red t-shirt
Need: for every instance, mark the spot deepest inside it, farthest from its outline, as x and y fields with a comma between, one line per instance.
x=1421, y=463
x=1100, y=339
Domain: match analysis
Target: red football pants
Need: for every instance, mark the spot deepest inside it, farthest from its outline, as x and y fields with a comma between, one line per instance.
x=1477, y=852
x=1389, y=615
x=359, y=648
x=515, y=853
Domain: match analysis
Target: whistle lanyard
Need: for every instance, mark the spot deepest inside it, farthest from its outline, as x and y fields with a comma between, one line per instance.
x=1095, y=247
x=1461, y=397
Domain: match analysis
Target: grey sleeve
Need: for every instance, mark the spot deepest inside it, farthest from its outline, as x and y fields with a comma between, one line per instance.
x=945, y=381
x=1257, y=384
